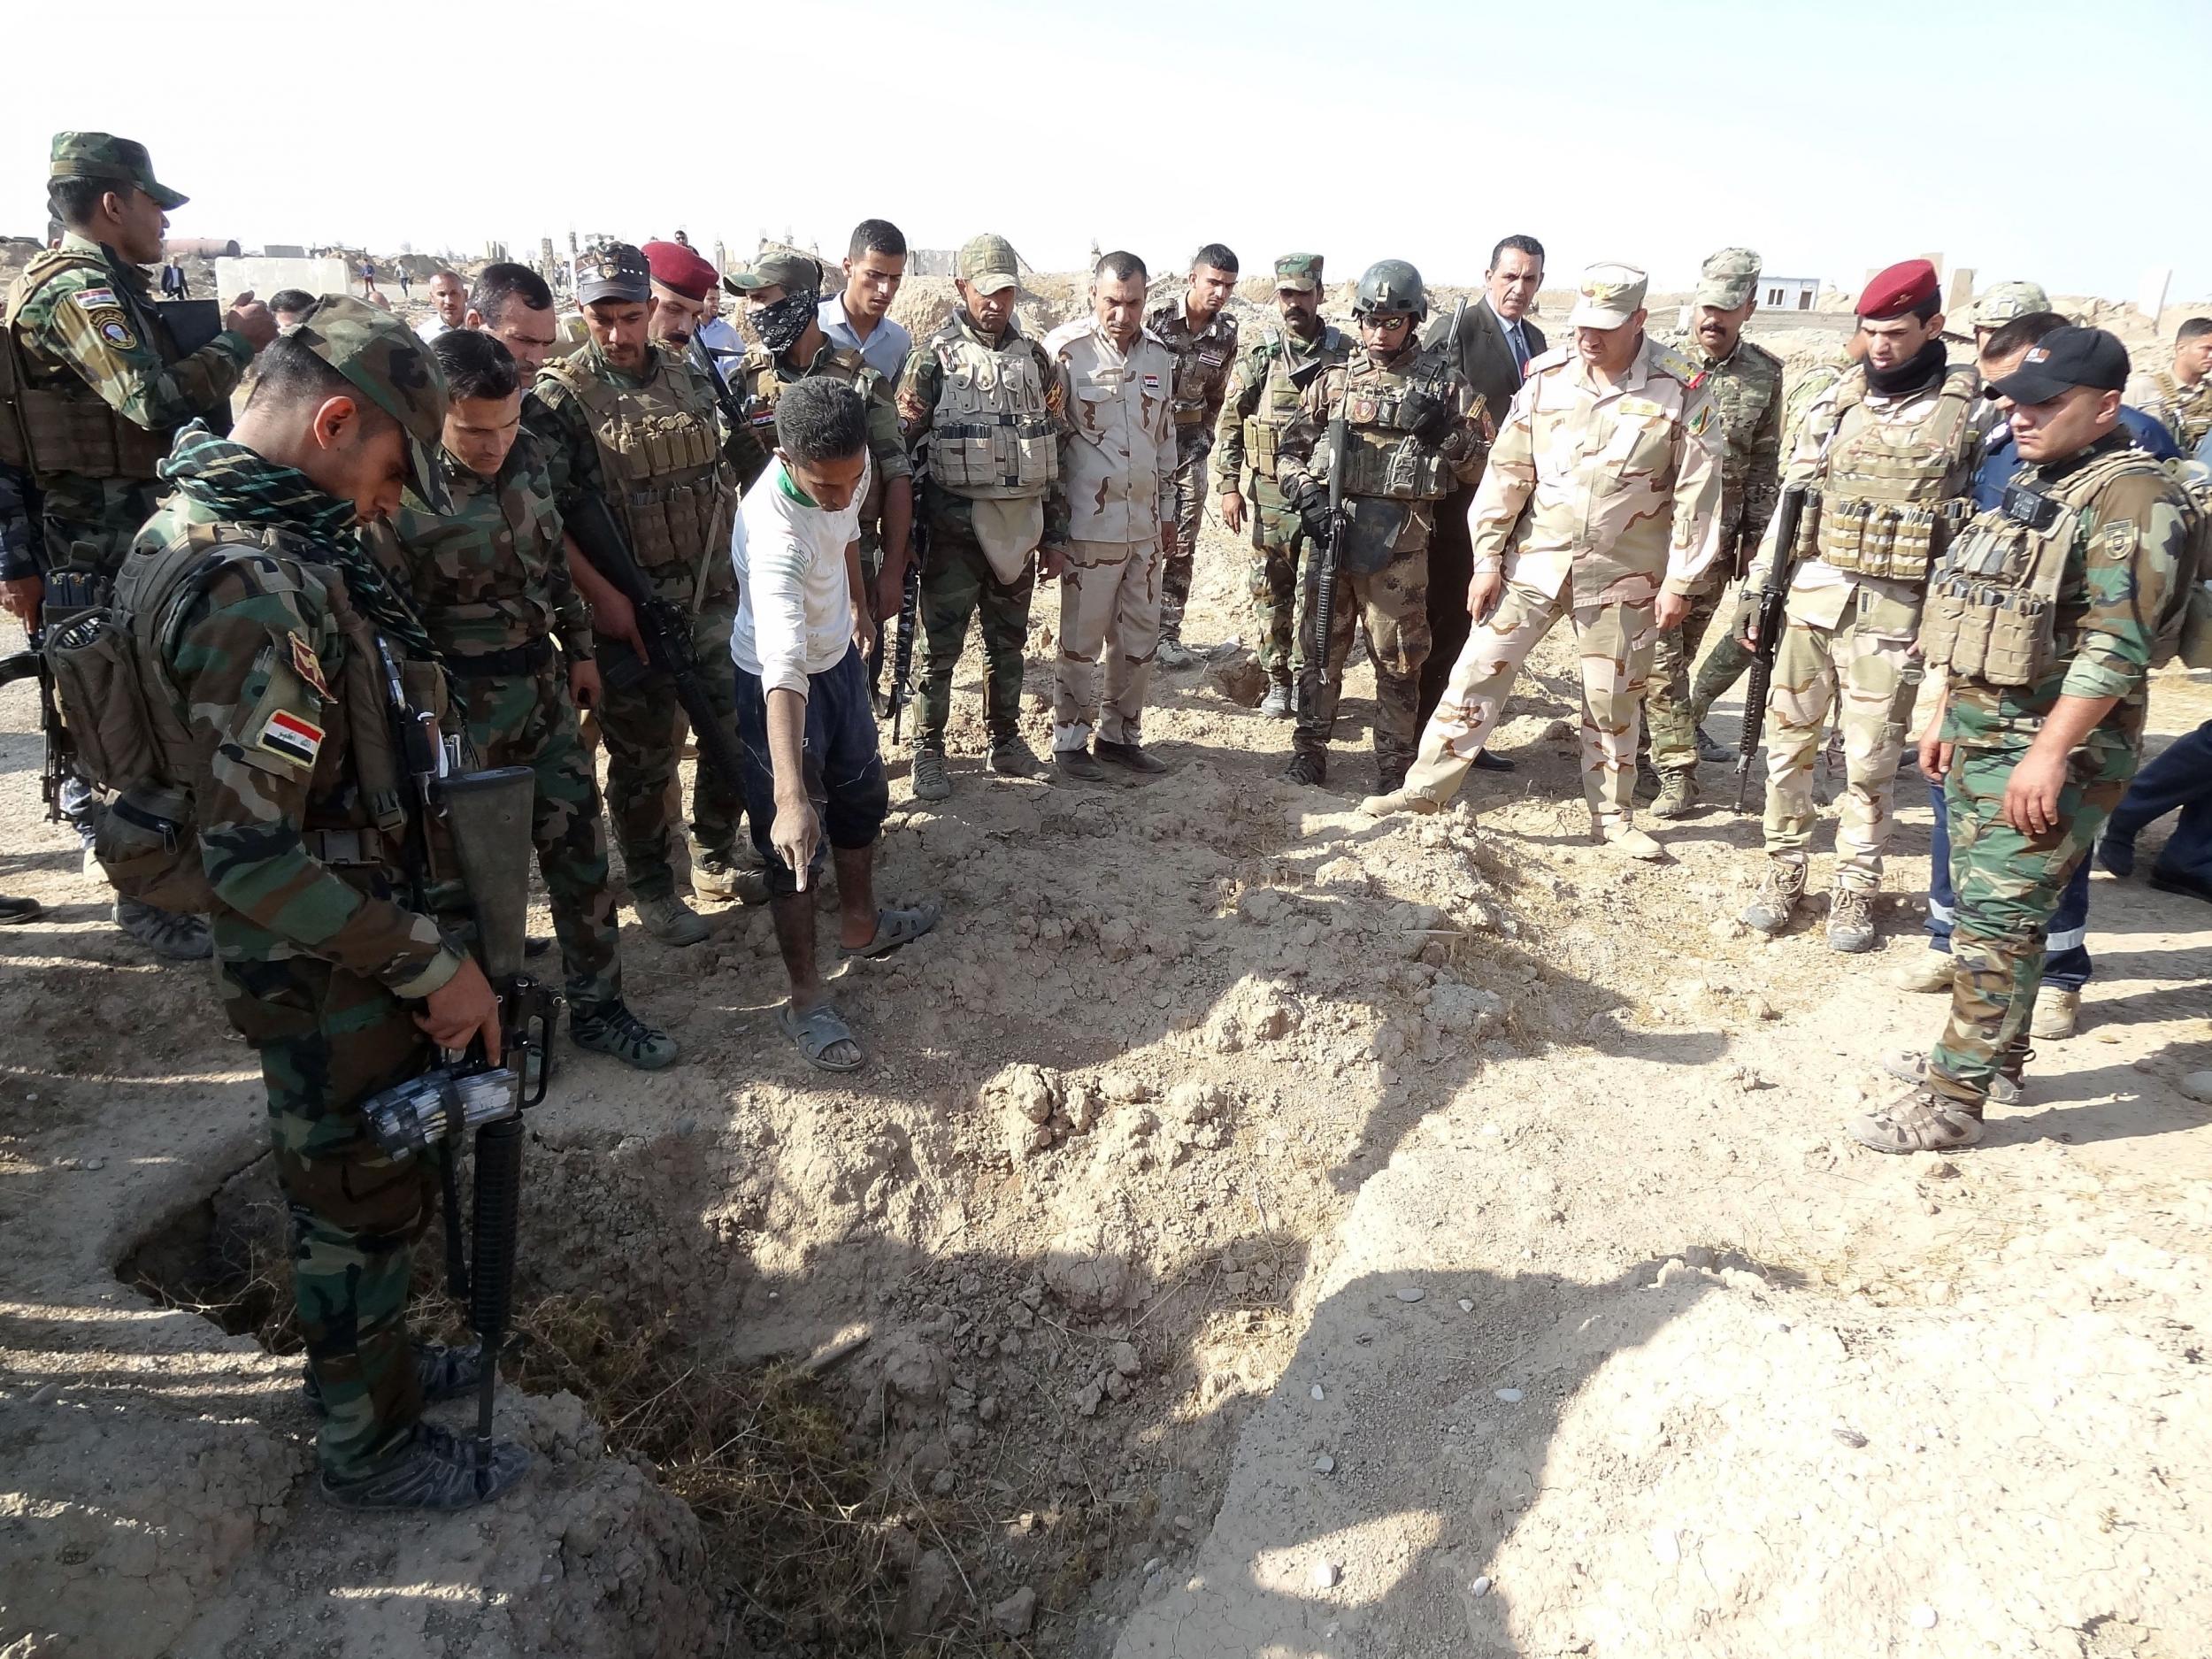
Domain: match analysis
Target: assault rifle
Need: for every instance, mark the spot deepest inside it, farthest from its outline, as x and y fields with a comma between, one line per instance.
x=665, y=628
x=1774, y=597
x=910, y=623
x=743, y=448
x=70, y=593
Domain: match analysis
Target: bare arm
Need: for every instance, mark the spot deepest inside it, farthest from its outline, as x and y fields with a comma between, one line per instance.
x=796, y=834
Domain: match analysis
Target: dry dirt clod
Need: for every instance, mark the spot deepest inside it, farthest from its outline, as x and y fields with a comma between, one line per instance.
x=1014, y=1616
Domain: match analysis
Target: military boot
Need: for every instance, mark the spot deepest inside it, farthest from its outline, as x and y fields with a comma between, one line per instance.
x=929, y=779
x=1919, y=1120
x=715, y=876
x=1276, y=704
x=435, y=1471
x=1710, y=751
x=611, y=1029
x=440, y=1373
x=1677, y=793
x=1923, y=971
x=1309, y=766
x=1911, y=1065
x=1779, y=891
x=1173, y=655
x=2057, y=1013
x=165, y=933
x=669, y=919
x=1012, y=757
x=1851, y=919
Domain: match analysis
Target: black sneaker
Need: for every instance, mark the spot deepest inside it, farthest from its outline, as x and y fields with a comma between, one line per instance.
x=165, y=933
x=1307, y=767
x=611, y=1029
x=437, y=1470
x=441, y=1372
x=1076, y=763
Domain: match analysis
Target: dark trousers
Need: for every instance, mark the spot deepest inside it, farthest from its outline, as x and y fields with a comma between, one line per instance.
x=2068, y=965
x=1451, y=568
x=844, y=769
x=2179, y=780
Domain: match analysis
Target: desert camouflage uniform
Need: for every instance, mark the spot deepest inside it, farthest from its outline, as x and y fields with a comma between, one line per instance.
x=2121, y=561
x=80, y=339
x=1257, y=402
x=1382, y=569
x=316, y=959
x=490, y=579
x=643, y=722
x=957, y=579
x=2184, y=410
x=1849, y=636
x=761, y=378
x=1593, y=502
x=1202, y=361
x=1746, y=388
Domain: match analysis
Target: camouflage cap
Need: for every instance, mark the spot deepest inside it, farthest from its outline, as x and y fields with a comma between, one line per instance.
x=785, y=268
x=112, y=160
x=1727, y=279
x=1299, y=272
x=988, y=264
x=613, y=271
x=2008, y=300
x=1609, y=295
x=393, y=367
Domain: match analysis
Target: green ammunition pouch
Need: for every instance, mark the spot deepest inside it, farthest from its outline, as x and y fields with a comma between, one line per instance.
x=1882, y=510
x=991, y=436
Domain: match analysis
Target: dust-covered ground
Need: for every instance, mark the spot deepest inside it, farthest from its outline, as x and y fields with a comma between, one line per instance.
x=1272, y=1233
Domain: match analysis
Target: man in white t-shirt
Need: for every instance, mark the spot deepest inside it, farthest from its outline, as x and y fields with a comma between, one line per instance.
x=449, y=301
x=813, y=773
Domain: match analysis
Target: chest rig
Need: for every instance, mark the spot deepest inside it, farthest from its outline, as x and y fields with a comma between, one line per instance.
x=1883, y=512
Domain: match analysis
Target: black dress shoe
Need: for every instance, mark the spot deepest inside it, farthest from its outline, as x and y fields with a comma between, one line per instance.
x=1135, y=756
x=1484, y=761
x=2179, y=881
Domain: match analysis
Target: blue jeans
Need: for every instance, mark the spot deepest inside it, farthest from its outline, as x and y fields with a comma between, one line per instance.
x=2068, y=965
x=2179, y=780
x=844, y=770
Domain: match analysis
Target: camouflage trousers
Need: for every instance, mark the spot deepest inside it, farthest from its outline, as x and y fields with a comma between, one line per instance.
x=1613, y=643
x=1278, y=542
x=528, y=720
x=1110, y=605
x=1724, y=665
x=2008, y=886
x=643, y=726
x=1667, y=703
x=1393, y=604
x=958, y=584
x=1864, y=659
x=1192, y=444
x=327, y=1039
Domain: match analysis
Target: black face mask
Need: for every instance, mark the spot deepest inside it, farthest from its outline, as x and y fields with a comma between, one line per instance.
x=1915, y=373
x=780, y=326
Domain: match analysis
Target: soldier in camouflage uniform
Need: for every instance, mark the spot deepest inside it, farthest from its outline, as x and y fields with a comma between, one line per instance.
x=2180, y=396
x=1412, y=425
x=489, y=577
x=2042, y=722
x=1745, y=383
x=626, y=417
x=1200, y=329
x=1261, y=396
x=95, y=388
x=250, y=606
x=984, y=398
x=1886, y=457
x=1601, y=505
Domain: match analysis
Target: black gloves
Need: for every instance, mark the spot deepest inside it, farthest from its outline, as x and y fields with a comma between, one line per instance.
x=1312, y=505
x=1428, y=416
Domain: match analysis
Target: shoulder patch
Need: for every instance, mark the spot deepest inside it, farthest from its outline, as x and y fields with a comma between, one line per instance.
x=111, y=329
x=290, y=737
x=308, y=666
x=1674, y=362
x=98, y=299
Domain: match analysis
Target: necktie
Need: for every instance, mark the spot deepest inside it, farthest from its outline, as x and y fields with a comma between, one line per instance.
x=1520, y=351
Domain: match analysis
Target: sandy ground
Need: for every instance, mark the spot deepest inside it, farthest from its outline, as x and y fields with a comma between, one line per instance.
x=1276, y=1234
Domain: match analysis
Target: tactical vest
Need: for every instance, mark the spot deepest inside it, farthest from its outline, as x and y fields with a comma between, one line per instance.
x=1993, y=614
x=761, y=387
x=661, y=448
x=2192, y=422
x=1883, y=510
x=1382, y=458
x=111, y=677
x=60, y=424
x=991, y=436
x=1279, y=400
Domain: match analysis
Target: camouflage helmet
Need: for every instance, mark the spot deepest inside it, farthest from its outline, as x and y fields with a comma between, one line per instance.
x=1392, y=287
x=394, y=370
x=2008, y=300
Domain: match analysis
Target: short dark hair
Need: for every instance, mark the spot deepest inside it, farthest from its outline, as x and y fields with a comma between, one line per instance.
x=820, y=419
x=1120, y=264
x=292, y=300
x=287, y=372
x=476, y=364
x=74, y=200
x=444, y=270
x=1519, y=244
x=2191, y=329
x=496, y=284
x=1216, y=255
x=2021, y=333
x=876, y=235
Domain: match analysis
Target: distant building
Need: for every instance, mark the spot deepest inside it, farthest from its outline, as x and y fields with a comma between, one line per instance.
x=1788, y=293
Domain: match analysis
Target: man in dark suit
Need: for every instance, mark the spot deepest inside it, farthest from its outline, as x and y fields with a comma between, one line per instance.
x=1494, y=346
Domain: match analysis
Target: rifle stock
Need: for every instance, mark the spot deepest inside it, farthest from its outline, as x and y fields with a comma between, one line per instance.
x=1774, y=596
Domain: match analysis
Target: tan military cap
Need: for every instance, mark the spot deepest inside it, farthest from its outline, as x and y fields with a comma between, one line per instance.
x=1727, y=279
x=988, y=264
x=1610, y=294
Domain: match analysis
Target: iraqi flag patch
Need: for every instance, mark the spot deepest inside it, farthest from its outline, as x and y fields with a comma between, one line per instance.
x=291, y=736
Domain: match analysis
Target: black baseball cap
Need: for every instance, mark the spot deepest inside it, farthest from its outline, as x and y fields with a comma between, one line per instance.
x=613, y=271
x=2063, y=359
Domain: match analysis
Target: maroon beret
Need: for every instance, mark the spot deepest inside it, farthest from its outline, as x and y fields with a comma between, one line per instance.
x=676, y=266
x=1902, y=287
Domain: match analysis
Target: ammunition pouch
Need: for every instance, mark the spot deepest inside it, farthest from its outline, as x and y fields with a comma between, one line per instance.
x=662, y=452
x=2000, y=636
x=94, y=672
x=990, y=435
x=1893, y=542
x=148, y=847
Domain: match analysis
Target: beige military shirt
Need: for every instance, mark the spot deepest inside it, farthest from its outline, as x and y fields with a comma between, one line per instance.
x=1117, y=459
x=1615, y=488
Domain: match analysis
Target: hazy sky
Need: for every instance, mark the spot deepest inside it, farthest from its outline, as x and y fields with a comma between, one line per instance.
x=2026, y=140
